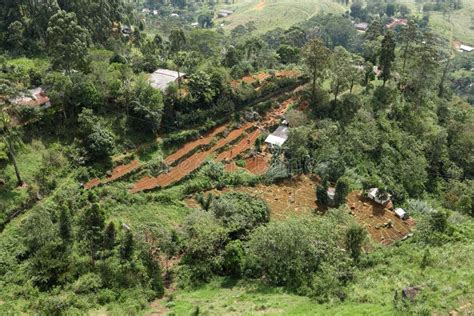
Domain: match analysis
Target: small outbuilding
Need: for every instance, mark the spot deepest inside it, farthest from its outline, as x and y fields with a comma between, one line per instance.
x=379, y=196
x=278, y=137
x=401, y=213
x=396, y=23
x=35, y=98
x=362, y=26
x=162, y=78
x=465, y=48
x=224, y=13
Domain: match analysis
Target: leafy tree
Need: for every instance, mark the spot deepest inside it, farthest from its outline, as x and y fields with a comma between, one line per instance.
x=340, y=70
x=154, y=271
x=16, y=36
x=409, y=37
x=438, y=221
x=49, y=265
x=110, y=236
x=288, y=54
x=146, y=107
x=317, y=60
x=240, y=213
x=387, y=56
x=127, y=246
x=234, y=258
x=177, y=40
x=359, y=12
x=9, y=135
x=355, y=237
x=342, y=190
x=65, y=226
x=67, y=41
x=98, y=139
x=322, y=196
x=90, y=230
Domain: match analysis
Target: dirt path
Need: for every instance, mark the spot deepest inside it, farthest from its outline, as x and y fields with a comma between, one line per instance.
x=260, y=5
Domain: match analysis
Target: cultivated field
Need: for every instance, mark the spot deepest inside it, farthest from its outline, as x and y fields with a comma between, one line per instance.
x=268, y=14
x=291, y=197
x=381, y=223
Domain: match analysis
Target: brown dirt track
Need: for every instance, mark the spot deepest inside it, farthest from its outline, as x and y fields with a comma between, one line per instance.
x=374, y=217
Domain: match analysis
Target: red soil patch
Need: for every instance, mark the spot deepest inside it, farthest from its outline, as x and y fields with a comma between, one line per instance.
x=257, y=165
x=375, y=219
x=274, y=116
x=92, y=183
x=183, y=151
x=187, y=166
x=122, y=170
x=260, y=5
x=244, y=145
x=294, y=196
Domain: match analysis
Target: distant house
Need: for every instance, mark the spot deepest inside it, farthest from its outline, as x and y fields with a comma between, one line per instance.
x=379, y=196
x=174, y=15
x=36, y=98
x=278, y=137
x=465, y=48
x=195, y=24
x=401, y=213
x=395, y=23
x=162, y=78
x=362, y=26
x=224, y=13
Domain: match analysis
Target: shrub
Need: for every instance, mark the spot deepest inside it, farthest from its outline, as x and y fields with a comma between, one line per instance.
x=240, y=213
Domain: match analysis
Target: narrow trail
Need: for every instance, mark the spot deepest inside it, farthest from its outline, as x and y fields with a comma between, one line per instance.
x=260, y=5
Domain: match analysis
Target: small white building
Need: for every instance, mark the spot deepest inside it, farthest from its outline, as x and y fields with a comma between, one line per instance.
x=362, y=26
x=162, y=78
x=374, y=195
x=401, y=213
x=224, y=13
x=278, y=137
x=465, y=48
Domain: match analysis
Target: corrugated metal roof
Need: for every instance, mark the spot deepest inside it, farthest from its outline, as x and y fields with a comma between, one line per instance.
x=162, y=78
x=278, y=137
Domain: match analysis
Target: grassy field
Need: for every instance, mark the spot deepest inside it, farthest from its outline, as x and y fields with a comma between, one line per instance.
x=270, y=14
x=446, y=284
x=459, y=23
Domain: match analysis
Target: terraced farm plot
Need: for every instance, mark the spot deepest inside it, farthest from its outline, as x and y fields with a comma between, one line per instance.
x=244, y=145
x=381, y=223
x=116, y=173
x=188, y=147
x=188, y=166
x=257, y=165
x=294, y=196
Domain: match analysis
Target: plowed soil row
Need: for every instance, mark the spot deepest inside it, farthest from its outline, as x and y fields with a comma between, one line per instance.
x=117, y=173
x=381, y=223
x=257, y=165
x=187, y=166
x=294, y=196
x=274, y=116
x=244, y=145
x=188, y=147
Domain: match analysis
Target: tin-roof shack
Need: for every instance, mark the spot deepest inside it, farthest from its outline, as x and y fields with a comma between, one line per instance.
x=36, y=98
x=162, y=78
x=278, y=137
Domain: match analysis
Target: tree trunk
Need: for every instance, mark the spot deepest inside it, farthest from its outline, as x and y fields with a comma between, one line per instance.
x=336, y=94
x=313, y=92
x=11, y=157
x=443, y=78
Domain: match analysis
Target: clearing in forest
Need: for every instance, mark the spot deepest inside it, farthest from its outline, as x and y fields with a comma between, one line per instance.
x=381, y=223
x=285, y=199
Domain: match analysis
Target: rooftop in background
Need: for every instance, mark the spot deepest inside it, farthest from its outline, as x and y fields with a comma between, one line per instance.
x=362, y=26
x=34, y=98
x=162, y=78
x=396, y=22
x=278, y=137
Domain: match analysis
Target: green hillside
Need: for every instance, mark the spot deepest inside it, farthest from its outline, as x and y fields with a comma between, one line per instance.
x=268, y=14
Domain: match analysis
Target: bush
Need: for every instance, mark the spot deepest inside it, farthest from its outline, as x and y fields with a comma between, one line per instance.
x=289, y=253
x=240, y=213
